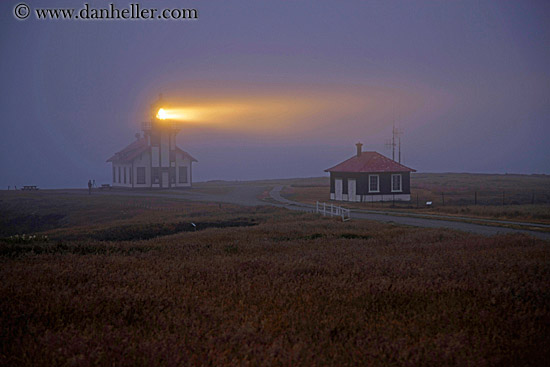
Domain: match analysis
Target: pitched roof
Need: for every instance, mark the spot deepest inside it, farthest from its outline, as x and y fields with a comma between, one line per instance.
x=369, y=162
x=186, y=154
x=139, y=146
x=130, y=152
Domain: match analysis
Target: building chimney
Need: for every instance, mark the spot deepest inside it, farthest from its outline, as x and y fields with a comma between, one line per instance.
x=359, y=146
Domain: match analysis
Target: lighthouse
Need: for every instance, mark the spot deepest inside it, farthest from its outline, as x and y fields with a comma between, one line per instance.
x=153, y=160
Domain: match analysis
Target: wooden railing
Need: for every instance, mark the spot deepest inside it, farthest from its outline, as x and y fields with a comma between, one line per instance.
x=332, y=210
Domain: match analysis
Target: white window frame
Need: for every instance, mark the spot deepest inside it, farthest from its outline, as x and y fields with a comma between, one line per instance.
x=400, y=182
x=377, y=183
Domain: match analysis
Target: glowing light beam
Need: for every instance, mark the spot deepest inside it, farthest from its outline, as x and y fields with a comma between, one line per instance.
x=162, y=115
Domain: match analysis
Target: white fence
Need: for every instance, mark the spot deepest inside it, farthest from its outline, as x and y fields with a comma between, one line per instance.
x=333, y=210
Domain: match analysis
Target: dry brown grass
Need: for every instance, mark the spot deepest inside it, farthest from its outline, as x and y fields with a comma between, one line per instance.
x=293, y=289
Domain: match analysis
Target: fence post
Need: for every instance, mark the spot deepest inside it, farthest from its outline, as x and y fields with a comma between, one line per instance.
x=316, y=207
x=331, y=211
x=324, y=209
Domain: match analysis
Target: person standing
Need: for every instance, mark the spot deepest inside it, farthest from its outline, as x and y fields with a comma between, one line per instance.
x=89, y=187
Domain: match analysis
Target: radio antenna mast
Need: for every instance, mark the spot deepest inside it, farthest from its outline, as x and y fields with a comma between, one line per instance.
x=400, y=148
x=395, y=142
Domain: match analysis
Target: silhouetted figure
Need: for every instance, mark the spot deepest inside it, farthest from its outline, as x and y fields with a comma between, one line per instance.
x=89, y=187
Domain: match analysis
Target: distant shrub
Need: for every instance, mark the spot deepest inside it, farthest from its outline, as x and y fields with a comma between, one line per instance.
x=313, y=236
x=151, y=230
x=355, y=236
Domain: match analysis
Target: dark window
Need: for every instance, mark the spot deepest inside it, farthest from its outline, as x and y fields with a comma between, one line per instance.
x=156, y=175
x=119, y=174
x=173, y=175
x=141, y=175
x=183, y=174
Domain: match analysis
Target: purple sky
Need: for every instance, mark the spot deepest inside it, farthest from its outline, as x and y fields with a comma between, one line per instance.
x=468, y=82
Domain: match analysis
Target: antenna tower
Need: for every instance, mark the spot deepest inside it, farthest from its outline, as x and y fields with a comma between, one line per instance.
x=394, y=142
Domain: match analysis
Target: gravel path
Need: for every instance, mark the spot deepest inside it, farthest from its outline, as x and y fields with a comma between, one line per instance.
x=418, y=221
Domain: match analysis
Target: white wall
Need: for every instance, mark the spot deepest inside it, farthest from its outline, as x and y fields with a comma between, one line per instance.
x=164, y=150
x=183, y=161
x=143, y=160
x=122, y=167
x=373, y=198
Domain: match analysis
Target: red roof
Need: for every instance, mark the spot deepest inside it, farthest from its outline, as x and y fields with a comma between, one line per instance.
x=129, y=153
x=370, y=162
x=185, y=154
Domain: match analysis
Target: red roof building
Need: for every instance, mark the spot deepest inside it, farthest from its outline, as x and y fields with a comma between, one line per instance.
x=369, y=176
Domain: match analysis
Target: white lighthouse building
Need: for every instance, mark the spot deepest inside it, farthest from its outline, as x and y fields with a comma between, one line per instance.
x=153, y=160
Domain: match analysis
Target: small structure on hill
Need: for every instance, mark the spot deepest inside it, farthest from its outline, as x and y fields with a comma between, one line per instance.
x=153, y=160
x=368, y=177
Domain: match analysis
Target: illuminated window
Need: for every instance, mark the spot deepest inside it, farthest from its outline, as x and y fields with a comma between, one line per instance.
x=374, y=183
x=396, y=183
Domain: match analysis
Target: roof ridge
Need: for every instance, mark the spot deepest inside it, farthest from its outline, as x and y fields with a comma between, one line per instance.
x=370, y=161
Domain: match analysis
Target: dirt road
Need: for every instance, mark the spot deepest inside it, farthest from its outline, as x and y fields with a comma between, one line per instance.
x=417, y=221
x=247, y=193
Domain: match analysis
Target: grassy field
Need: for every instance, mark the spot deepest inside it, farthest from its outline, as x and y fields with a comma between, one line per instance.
x=526, y=197
x=130, y=281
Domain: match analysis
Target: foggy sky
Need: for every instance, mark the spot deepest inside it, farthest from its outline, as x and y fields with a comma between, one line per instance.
x=468, y=82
